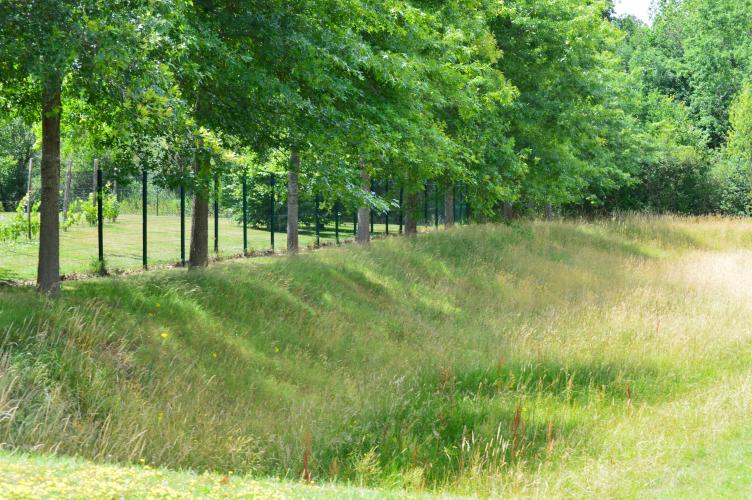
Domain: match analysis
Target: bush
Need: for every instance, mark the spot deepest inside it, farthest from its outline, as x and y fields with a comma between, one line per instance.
x=110, y=204
x=732, y=187
x=87, y=209
x=20, y=223
x=83, y=209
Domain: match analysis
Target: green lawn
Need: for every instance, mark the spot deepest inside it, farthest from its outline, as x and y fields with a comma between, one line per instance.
x=123, y=244
x=589, y=360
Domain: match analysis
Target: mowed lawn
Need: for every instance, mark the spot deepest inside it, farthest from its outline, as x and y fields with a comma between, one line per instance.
x=123, y=244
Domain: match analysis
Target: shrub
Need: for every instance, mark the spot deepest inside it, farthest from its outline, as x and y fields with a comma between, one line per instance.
x=732, y=185
x=87, y=209
x=20, y=223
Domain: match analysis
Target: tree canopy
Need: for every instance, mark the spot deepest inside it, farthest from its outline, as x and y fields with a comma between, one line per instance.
x=524, y=103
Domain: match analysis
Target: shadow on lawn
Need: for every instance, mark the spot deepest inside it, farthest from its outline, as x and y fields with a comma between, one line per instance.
x=8, y=277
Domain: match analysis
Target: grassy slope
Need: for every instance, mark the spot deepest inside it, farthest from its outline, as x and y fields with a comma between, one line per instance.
x=406, y=363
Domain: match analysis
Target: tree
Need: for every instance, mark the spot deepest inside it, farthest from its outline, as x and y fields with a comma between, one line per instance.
x=739, y=141
x=572, y=122
x=81, y=47
x=732, y=172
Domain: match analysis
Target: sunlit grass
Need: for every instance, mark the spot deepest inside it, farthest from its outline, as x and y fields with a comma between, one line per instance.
x=578, y=358
x=23, y=476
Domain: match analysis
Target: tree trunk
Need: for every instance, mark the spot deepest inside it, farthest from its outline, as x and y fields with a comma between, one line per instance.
x=48, y=271
x=449, y=207
x=364, y=213
x=508, y=211
x=199, y=256
x=411, y=208
x=549, y=212
x=293, y=196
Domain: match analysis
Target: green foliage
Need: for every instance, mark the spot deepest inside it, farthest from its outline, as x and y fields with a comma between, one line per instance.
x=75, y=215
x=739, y=142
x=673, y=163
x=21, y=226
x=537, y=102
x=17, y=142
x=87, y=209
x=572, y=119
x=732, y=171
x=732, y=186
x=688, y=67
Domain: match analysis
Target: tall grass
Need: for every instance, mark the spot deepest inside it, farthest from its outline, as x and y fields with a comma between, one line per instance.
x=539, y=358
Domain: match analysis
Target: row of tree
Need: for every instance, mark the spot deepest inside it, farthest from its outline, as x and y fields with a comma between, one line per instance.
x=551, y=102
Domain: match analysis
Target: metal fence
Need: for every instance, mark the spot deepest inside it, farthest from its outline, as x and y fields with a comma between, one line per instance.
x=153, y=226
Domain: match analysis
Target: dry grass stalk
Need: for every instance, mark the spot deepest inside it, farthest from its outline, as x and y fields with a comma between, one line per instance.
x=307, y=458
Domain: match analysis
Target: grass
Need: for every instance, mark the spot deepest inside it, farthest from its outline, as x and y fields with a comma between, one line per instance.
x=24, y=476
x=123, y=244
x=566, y=359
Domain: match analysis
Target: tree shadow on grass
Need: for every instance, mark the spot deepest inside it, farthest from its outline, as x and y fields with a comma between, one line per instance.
x=448, y=422
x=8, y=277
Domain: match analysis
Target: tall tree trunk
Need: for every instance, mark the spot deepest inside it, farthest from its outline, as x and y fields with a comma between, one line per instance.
x=48, y=271
x=549, y=212
x=449, y=206
x=411, y=209
x=364, y=213
x=293, y=197
x=199, y=256
x=508, y=211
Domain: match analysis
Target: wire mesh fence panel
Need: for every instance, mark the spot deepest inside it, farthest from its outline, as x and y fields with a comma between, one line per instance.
x=321, y=222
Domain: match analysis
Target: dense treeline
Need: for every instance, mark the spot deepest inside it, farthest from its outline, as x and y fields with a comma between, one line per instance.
x=526, y=103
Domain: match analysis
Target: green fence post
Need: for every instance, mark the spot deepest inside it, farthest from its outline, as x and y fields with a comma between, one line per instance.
x=401, y=210
x=436, y=205
x=370, y=215
x=182, y=223
x=100, y=223
x=388, y=208
x=336, y=222
x=317, y=221
x=461, y=200
x=245, y=214
x=144, y=209
x=28, y=194
x=271, y=209
x=216, y=214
